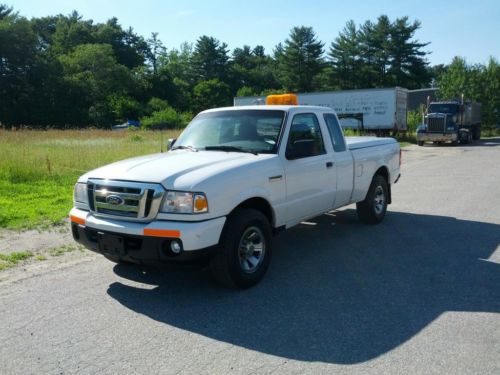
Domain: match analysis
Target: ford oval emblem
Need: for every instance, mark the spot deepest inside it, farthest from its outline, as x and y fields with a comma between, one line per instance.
x=115, y=200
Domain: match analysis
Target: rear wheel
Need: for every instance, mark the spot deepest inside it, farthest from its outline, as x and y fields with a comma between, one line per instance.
x=476, y=135
x=245, y=251
x=420, y=143
x=372, y=210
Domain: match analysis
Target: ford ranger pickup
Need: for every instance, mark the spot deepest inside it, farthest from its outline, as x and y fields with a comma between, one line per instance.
x=235, y=177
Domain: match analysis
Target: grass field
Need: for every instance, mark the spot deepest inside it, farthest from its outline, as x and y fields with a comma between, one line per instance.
x=39, y=168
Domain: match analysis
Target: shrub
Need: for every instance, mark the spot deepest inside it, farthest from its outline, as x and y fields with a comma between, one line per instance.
x=413, y=119
x=166, y=118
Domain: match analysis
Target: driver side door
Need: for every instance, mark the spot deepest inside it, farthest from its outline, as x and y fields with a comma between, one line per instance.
x=309, y=170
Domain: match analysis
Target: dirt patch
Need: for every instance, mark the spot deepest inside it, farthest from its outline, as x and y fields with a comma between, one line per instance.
x=49, y=250
x=35, y=241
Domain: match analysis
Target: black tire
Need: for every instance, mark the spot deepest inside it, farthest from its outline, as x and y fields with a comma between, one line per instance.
x=420, y=143
x=476, y=135
x=372, y=210
x=465, y=138
x=246, y=232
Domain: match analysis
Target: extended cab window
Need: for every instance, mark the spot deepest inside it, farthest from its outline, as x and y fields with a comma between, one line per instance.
x=305, y=138
x=335, y=132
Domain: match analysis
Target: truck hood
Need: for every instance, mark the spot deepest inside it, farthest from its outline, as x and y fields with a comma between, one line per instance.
x=180, y=169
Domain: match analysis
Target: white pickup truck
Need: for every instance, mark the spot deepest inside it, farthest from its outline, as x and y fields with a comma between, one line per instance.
x=235, y=177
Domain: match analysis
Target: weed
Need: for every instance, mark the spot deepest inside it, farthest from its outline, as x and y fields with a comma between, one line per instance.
x=58, y=251
x=10, y=260
x=135, y=138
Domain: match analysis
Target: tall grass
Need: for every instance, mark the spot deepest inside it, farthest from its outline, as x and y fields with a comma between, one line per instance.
x=38, y=168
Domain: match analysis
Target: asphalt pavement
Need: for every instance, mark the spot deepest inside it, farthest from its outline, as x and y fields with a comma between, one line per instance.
x=419, y=293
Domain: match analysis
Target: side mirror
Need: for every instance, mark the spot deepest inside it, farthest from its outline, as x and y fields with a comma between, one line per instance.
x=171, y=142
x=301, y=148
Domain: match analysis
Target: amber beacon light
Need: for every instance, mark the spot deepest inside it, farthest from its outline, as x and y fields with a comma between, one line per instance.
x=283, y=99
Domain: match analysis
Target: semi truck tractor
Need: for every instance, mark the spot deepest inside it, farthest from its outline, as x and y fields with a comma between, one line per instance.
x=379, y=111
x=450, y=121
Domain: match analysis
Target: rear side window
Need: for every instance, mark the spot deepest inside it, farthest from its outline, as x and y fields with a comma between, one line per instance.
x=305, y=137
x=335, y=133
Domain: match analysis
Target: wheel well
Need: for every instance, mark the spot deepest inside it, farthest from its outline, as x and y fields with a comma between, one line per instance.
x=259, y=204
x=382, y=171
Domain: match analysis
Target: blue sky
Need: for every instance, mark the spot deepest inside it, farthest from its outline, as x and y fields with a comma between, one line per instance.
x=470, y=29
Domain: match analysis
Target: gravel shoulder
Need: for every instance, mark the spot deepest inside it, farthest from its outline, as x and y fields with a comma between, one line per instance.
x=52, y=248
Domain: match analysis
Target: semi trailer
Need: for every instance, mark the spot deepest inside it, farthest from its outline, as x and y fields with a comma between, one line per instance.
x=373, y=110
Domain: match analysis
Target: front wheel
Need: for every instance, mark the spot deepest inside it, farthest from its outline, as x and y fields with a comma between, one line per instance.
x=476, y=135
x=372, y=210
x=245, y=252
x=420, y=143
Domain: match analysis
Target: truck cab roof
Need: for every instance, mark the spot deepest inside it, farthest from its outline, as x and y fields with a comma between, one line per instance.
x=286, y=108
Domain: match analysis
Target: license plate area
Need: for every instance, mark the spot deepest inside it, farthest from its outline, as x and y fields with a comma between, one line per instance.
x=111, y=244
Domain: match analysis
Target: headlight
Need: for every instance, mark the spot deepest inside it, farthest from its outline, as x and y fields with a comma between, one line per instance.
x=80, y=193
x=182, y=202
x=450, y=128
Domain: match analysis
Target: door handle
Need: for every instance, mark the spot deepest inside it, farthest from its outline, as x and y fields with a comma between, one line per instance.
x=329, y=164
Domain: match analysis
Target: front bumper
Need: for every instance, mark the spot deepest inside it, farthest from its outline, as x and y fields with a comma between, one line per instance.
x=145, y=241
x=437, y=137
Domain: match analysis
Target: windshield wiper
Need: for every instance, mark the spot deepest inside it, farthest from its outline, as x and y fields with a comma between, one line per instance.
x=229, y=149
x=191, y=148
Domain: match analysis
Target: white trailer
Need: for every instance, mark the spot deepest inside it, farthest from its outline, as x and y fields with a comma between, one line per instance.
x=369, y=109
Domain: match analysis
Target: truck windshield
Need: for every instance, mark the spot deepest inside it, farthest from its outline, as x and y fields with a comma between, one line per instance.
x=255, y=131
x=443, y=108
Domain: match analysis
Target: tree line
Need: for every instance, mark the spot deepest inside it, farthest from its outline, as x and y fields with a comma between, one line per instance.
x=65, y=71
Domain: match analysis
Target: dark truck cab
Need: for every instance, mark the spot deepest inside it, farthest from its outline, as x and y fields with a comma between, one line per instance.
x=450, y=121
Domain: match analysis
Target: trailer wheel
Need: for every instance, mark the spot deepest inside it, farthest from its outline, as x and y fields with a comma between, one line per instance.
x=245, y=251
x=476, y=135
x=372, y=210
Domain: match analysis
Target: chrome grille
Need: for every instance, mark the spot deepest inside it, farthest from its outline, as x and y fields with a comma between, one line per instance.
x=436, y=123
x=125, y=200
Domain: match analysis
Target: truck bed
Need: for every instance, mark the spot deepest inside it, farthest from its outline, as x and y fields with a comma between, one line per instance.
x=355, y=143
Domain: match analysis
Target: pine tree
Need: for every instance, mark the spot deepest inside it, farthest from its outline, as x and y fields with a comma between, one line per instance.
x=300, y=60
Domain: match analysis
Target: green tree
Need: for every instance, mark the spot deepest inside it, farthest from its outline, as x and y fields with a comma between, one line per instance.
x=92, y=73
x=251, y=68
x=130, y=49
x=379, y=54
x=70, y=32
x=5, y=11
x=408, y=64
x=458, y=80
x=300, y=59
x=479, y=83
x=178, y=64
x=346, y=59
x=124, y=107
x=491, y=92
x=156, y=50
x=375, y=40
x=209, y=60
x=212, y=93
x=17, y=62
